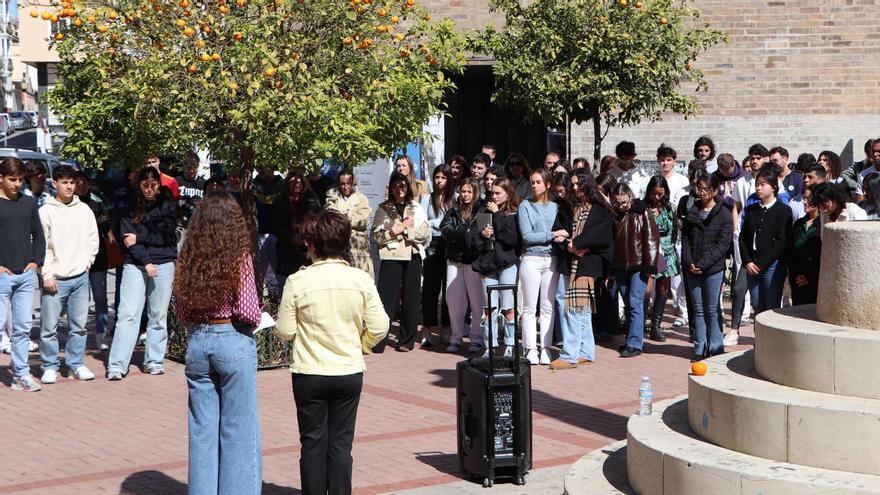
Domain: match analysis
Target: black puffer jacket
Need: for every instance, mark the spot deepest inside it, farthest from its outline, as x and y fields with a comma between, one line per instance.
x=494, y=255
x=705, y=243
x=455, y=230
x=156, y=234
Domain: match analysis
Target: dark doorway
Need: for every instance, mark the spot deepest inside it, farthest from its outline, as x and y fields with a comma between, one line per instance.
x=474, y=121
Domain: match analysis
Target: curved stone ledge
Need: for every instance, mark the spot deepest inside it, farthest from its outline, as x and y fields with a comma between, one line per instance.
x=664, y=457
x=601, y=472
x=732, y=407
x=794, y=348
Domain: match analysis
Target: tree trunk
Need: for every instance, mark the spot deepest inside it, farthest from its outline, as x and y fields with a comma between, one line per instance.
x=249, y=207
x=597, y=135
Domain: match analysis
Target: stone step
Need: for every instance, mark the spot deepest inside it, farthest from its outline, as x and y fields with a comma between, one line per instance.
x=664, y=457
x=731, y=406
x=794, y=348
x=601, y=472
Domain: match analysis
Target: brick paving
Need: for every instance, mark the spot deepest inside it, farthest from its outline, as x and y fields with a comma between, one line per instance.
x=130, y=437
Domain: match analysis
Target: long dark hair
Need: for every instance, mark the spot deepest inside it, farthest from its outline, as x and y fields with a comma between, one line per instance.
x=512, y=203
x=586, y=182
x=140, y=207
x=445, y=200
x=654, y=182
x=215, y=251
x=834, y=165
x=468, y=211
x=301, y=176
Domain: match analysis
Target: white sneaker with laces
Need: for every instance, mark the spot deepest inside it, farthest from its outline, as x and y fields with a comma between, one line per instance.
x=732, y=338
x=680, y=322
x=532, y=356
x=83, y=373
x=33, y=346
x=101, y=342
x=545, y=357
x=49, y=376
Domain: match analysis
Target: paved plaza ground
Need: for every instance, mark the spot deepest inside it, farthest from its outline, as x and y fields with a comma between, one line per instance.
x=130, y=437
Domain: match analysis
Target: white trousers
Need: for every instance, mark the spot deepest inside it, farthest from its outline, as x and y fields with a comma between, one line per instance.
x=537, y=278
x=463, y=286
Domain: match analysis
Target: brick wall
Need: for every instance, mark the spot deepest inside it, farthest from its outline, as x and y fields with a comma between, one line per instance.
x=804, y=75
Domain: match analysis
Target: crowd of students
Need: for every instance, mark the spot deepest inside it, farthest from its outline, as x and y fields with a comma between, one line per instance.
x=584, y=244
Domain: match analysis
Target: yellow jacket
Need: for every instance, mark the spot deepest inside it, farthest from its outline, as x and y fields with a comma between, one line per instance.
x=324, y=310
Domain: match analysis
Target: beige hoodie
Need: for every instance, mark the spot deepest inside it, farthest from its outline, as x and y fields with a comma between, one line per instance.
x=71, y=238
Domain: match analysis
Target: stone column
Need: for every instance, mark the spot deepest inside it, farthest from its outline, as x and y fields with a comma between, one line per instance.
x=849, y=281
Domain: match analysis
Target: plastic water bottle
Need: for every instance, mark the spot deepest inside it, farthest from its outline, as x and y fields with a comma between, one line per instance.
x=646, y=395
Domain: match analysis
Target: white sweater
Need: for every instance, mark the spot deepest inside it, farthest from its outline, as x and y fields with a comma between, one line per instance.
x=71, y=238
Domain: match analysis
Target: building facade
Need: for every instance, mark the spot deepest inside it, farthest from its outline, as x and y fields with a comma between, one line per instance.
x=802, y=75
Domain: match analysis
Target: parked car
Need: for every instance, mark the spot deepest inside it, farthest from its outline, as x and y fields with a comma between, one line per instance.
x=50, y=162
x=21, y=120
x=6, y=125
x=35, y=118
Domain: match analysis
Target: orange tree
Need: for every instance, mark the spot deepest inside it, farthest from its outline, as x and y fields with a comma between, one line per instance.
x=286, y=83
x=610, y=61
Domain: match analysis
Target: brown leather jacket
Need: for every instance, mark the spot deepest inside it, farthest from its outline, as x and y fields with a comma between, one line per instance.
x=636, y=240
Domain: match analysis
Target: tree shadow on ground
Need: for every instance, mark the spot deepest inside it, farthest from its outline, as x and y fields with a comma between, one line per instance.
x=153, y=482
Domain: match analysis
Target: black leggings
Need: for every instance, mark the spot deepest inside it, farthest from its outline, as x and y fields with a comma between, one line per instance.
x=434, y=284
x=738, y=305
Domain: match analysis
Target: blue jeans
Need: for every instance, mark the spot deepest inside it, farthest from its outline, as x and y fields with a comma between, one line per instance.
x=501, y=301
x=74, y=293
x=577, y=333
x=98, y=281
x=18, y=290
x=631, y=286
x=224, y=422
x=138, y=288
x=559, y=322
x=765, y=288
x=705, y=293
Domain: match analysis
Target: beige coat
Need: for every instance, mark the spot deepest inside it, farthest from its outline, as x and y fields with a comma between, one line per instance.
x=357, y=208
x=402, y=246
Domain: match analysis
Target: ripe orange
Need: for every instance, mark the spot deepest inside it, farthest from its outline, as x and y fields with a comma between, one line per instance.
x=382, y=12
x=410, y=3
x=395, y=19
x=181, y=23
x=45, y=16
x=59, y=36
x=241, y=3
x=399, y=37
x=103, y=28
x=623, y=3
x=347, y=41
x=664, y=21
x=638, y=5
x=192, y=69
x=233, y=86
x=35, y=14
x=699, y=368
x=237, y=36
x=224, y=9
x=380, y=28
x=215, y=57
x=183, y=4
x=206, y=28
x=78, y=22
x=200, y=43
x=270, y=72
x=90, y=18
x=53, y=18
x=112, y=15
x=404, y=53
x=189, y=31
x=205, y=57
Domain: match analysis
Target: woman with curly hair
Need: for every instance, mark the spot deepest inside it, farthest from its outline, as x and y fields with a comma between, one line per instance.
x=215, y=293
x=149, y=233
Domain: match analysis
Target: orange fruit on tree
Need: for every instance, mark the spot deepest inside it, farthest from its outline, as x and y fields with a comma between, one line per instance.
x=237, y=36
x=45, y=16
x=78, y=22
x=623, y=3
x=664, y=21
x=112, y=15
x=638, y=5
x=347, y=41
x=404, y=53
x=35, y=14
x=183, y=4
x=59, y=36
x=233, y=86
x=215, y=57
x=102, y=28
x=367, y=2
x=192, y=69
x=294, y=56
x=395, y=19
x=200, y=43
x=399, y=37
x=206, y=28
x=270, y=72
x=186, y=13
x=382, y=12
x=380, y=28
x=241, y=3
x=224, y=9
x=181, y=23
x=410, y=3
x=699, y=368
x=205, y=57
x=90, y=18
x=53, y=18
x=427, y=17
x=189, y=31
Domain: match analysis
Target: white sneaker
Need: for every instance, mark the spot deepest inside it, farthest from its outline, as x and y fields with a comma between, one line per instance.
x=101, y=342
x=545, y=357
x=532, y=356
x=83, y=373
x=49, y=376
x=33, y=346
x=732, y=337
x=6, y=349
x=142, y=338
x=679, y=322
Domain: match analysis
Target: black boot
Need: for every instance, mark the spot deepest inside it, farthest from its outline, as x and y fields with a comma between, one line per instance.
x=656, y=333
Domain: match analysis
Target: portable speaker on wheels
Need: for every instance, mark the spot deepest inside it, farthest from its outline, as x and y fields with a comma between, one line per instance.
x=494, y=404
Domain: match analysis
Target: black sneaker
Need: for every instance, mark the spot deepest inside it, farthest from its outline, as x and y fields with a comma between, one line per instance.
x=630, y=352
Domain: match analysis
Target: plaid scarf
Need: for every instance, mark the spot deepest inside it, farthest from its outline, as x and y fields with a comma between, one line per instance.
x=580, y=294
